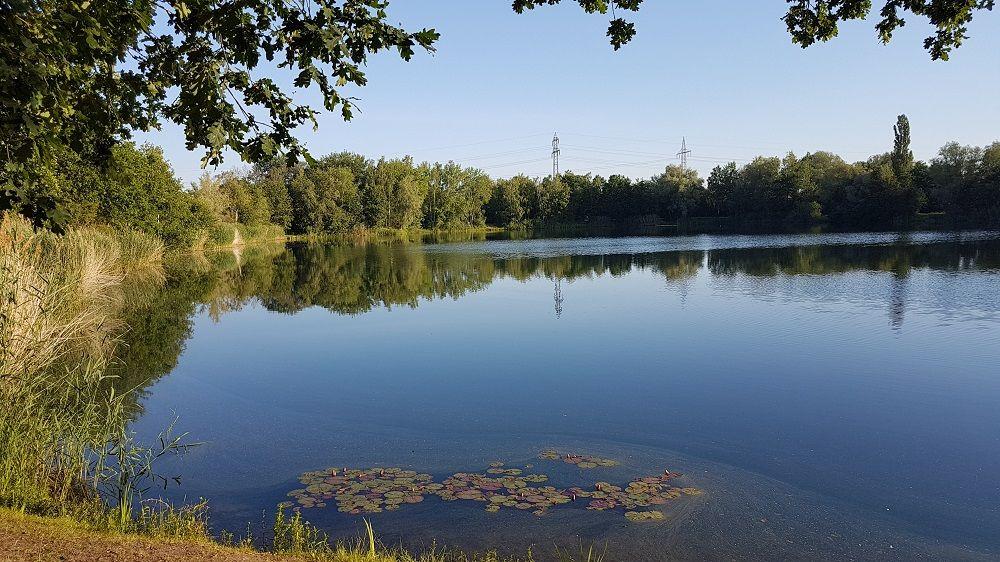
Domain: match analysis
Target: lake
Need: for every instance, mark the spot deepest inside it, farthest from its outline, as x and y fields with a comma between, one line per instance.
x=821, y=395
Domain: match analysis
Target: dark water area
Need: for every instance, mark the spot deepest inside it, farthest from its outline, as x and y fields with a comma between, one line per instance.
x=832, y=395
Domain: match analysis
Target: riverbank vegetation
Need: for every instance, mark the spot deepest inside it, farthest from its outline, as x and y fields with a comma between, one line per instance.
x=346, y=194
x=27, y=537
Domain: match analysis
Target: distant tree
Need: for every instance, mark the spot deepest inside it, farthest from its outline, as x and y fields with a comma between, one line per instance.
x=902, y=156
x=965, y=182
x=504, y=207
x=798, y=189
x=618, y=199
x=722, y=183
x=585, y=195
x=272, y=177
x=677, y=192
x=553, y=199
x=208, y=190
x=456, y=196
x=393, y=194
x=324, y=199
x=246, y=202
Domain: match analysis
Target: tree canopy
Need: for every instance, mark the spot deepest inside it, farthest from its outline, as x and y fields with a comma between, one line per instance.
x=83, y=75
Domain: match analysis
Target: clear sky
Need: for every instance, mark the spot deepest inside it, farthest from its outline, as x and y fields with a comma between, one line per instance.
x=723, y=74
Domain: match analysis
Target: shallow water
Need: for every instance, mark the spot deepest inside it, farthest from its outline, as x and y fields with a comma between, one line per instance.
x=834, y=396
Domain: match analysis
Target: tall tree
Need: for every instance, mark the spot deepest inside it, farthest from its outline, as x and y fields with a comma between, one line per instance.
x=902, y=156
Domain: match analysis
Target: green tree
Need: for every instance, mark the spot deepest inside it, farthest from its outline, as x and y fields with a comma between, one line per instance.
x=86, y=74
x=677, y=192
x=140, y=191
x=722, y=183
x=456, y=196
x=504, y=207
x=324, y=199
x=902, y=156
x=247, y=203
x=585, y=195
x=272, y=179
x=394, y=193
x=553, y=198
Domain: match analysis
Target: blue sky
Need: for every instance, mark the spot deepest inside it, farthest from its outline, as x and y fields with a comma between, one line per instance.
x=725, y=75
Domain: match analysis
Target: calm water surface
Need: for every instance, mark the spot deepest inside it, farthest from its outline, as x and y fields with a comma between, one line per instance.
x=834, y=396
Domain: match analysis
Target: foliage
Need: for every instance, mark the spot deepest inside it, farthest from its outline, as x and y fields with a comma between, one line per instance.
x=349, y=193
x=85, y=74
x=810, y=21
x=506, y=206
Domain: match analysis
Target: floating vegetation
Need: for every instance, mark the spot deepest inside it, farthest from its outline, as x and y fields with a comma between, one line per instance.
x=640, y=516
x=581, y=461
x=375, y=490
x=363, y=491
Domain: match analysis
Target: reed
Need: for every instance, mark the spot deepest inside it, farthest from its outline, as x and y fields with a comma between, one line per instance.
x=296, y=536
x=61, y=298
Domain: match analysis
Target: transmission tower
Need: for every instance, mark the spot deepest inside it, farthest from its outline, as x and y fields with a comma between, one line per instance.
x=555, y=156
x=684, y=153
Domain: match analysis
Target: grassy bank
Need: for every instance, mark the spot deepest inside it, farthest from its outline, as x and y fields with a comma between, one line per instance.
x=30, y=537
x=61, y=300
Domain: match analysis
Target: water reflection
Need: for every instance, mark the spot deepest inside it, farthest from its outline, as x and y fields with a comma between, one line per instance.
x=354, y=279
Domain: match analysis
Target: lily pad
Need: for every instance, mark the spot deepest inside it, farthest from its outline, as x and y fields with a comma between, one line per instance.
x=642, y=516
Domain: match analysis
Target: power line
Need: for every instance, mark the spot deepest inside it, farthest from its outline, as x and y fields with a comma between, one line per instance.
x=516, y=163
x=491, y=141
x=495, y=154
x=760, y=145
x=613, y=151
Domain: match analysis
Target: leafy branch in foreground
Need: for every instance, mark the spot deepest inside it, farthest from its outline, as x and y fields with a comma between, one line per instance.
x=84, y=75
x=811, y=21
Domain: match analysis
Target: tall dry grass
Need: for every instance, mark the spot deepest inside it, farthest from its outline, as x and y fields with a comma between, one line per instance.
x=61, y=300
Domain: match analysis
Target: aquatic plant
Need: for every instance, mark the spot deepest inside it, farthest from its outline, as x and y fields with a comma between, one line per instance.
x=640, y=516
x=294, y=535
x=374, y=490
x=581, y=461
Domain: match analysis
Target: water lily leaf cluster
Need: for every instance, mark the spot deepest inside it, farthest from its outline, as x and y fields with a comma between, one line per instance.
x=641, y=516
x=582, y=461
x=362, y=491
x=374, y=490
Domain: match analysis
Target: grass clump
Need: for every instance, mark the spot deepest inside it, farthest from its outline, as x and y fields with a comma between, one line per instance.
x=61, y=300
x=296, y=536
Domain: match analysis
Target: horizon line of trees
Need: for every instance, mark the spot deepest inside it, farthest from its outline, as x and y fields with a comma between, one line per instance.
x=342, y=192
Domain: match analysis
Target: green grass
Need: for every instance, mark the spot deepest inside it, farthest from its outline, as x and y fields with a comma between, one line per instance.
x=61, y=300
x=295, y=536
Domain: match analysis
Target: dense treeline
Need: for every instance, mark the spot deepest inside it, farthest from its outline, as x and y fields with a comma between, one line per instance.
x=344, y=192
